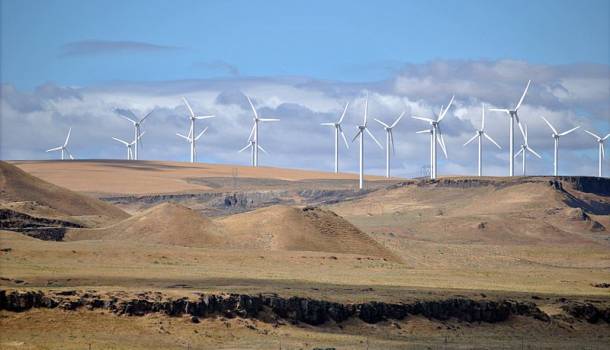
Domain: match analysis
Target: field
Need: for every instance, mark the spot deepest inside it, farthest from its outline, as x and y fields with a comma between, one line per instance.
x=254, y=231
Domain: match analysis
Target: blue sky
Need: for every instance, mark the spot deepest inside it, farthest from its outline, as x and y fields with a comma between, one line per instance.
x=337, y=40
x=73, y=63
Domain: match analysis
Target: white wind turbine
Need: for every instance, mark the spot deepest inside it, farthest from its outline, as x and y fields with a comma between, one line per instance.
x=525, y=148
x=513, y=115
x=556, y=135
x=338, y=130
x=63, y=148
x=254, y=134
x=601, y=156
x=252, y=144
x=479, y=135
x=190, y=137
x=389, y=140
x=137, y=130
x=435, y=136
x=129, y=145
x=361, y=129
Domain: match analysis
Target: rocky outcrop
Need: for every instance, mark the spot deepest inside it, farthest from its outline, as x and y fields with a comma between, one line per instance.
x=588, y=312
x=293, y=309
x=41, y=228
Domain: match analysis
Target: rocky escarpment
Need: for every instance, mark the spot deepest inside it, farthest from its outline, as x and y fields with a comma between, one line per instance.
x=41, y=228
x=273, y=307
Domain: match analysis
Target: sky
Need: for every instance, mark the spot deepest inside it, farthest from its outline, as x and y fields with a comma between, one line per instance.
x=74, y=63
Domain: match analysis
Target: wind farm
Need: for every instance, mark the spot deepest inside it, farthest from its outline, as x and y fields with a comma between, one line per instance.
x=305, y=175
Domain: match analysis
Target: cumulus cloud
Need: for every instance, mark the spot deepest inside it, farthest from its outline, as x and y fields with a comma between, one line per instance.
x=96, y=47
x=566, y=95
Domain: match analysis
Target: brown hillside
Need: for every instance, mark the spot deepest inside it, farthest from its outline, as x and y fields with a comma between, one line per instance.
x=309, y=229
x=166, y=223
x=18, y=186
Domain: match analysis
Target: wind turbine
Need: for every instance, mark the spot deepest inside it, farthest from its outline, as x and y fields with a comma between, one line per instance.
x=361, y=129
x=137, y=130
x=513, y=115
x=389, y=139
x=252, y=145
x=338, y=130
x=129, y=146
x=189, y=138
x=525, y=148
x=556, y=135
x=192, y=119
x=435, y=134
x=479, y=135
x=63, y=148
x=254, y=135
x=600, y=142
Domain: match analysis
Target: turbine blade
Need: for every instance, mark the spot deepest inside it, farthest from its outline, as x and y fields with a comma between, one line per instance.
x=523, y=132
x=605, y=137
x=482, y=116
x=201, y=133
x=382, y=123
x=549, y=124
x=343, y=115
x=398, y=119
x=344, y=138
x=499, y=110
x=569, y=131
x=253, y=109
x=245, y=148
x=357, y=134
x=205, y=117
x=444, y=112
x=188, y=106
x=534, y=152
x=261, y=148
x=269, y=119
x=68, y=137
x=366, y=108
x=184, y=137
x=251, y=132
x=423, y=131
x=492, y=140
x=523, y=96
x=328, y=124
x=55, y=149
x=127, y=118
x=146, y=116
x=121, y=141
x=518, y=153
x=441, y=142
x=373, y=137
x=471, y=139
x=592, y=134
x=424, y=119
x=392, y=141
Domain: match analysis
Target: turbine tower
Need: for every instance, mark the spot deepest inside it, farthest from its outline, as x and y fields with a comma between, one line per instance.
x=189, y=138
x=361, y=129
x=129, y=146
x=479, y=135
x=389, y=139
x=601, y=155
x=63, y=148
x=525, y=148
x=192, y=119
x=338, y=130
x=435, y=134
x=556, y=135
x=137, y=130
x=513, y=115
x=252, y=144
x=254, y=134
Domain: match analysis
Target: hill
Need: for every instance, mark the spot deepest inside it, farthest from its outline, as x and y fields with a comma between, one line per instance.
x=308, y=229
x=166, y=223
x=21, y=191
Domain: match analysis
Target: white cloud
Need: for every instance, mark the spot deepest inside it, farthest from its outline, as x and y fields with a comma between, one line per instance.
x=566, y=95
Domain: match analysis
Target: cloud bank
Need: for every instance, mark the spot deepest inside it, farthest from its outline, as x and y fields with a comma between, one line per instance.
x=567, y=95
x=96, y=47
